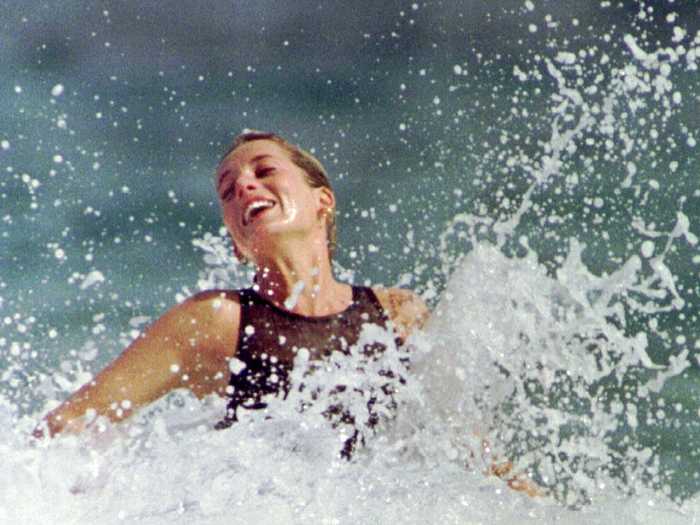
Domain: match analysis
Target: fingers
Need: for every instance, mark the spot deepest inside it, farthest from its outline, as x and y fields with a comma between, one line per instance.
x=527, y=486
x=517, y=482
x=502, y=469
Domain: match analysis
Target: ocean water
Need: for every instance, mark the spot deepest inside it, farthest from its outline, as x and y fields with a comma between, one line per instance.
x=547, y=212
x=426, y=464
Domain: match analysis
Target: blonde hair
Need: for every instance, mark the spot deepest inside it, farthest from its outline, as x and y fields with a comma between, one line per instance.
x=316, y=175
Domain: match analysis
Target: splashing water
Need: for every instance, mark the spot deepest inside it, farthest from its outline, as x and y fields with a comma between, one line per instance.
x=560, y=341
x=573, y=391
x=519, y=371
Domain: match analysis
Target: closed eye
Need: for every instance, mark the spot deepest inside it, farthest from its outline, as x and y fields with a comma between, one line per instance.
x=227, y=193
x=260, y=173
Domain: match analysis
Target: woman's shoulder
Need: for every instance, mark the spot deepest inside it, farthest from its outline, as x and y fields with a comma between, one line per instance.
x=209, y=321
x=404, y=307
x=210, y=308
x=216, y=295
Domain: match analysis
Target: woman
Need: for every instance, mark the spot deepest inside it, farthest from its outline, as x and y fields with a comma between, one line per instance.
x=279, y=209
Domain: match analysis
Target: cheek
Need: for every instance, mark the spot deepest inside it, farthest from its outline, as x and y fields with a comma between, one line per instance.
x=227, y=207
x=228, y=214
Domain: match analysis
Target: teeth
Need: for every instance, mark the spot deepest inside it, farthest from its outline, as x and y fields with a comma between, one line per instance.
x=253, y=207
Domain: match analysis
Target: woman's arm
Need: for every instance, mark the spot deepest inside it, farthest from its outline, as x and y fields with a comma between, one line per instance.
x=408, y=312
x=188, y=347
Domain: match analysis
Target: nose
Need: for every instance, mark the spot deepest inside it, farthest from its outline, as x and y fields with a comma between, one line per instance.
x=245, y=183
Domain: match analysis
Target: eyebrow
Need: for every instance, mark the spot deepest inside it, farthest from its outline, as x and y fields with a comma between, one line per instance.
x=224, y=173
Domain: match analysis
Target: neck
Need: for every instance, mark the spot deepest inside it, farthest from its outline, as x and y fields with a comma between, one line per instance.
x=302, y=281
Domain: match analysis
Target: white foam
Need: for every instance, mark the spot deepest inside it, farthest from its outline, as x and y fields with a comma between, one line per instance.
x=425, y=467
x=57, y=90
x=92, y=278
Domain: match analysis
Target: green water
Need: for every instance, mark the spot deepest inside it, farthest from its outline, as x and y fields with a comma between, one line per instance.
x=414, y=109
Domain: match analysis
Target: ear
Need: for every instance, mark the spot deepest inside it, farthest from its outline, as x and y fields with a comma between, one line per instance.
x=326, y=198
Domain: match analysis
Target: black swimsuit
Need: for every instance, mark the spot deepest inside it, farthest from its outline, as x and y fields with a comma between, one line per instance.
x=270, y=337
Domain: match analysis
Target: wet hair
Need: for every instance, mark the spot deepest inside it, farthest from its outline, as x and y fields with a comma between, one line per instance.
x=316, y=175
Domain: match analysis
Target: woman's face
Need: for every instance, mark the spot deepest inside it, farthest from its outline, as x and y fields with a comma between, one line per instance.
x=264, y=195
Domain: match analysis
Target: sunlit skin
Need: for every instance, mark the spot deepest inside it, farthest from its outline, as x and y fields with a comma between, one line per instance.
x=287, y=242
x=191, y=345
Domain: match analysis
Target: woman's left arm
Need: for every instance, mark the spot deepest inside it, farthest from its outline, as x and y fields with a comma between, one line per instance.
x=408, y=312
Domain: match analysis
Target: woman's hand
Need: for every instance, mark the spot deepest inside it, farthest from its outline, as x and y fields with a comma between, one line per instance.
x=519, y=482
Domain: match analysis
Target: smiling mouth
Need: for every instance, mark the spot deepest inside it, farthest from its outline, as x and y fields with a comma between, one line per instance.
x=254, y=209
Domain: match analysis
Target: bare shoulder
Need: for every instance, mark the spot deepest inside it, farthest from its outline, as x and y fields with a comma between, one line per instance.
x=205, y=311
x=213, y=303
x=206, y=325
x=404, y=307
x=213, y=315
